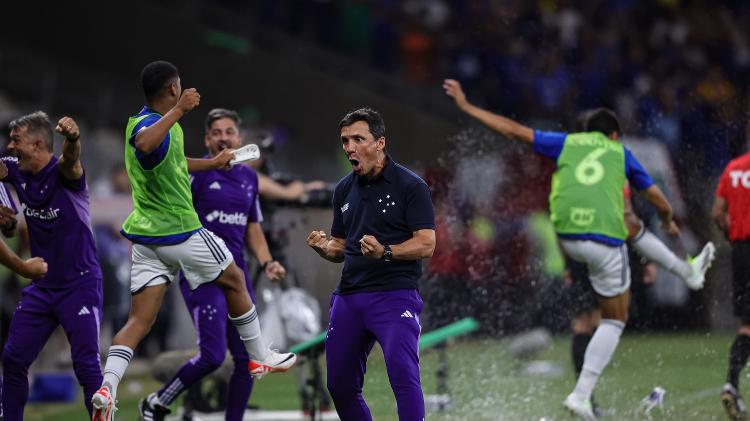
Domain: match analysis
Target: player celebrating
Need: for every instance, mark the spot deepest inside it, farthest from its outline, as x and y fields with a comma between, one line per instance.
x=383, y=225
x=587, y=207
x=648, y=245
x=55, y=202
x=730, y=211
x=227, y=204
x=168, y=235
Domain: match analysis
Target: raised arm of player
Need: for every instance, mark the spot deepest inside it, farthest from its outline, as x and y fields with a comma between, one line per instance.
x=220, y=161
x=503, y=125
x=654, y=195
x=256, y=242
x=420, y=246
x=331, y=249
x=70, y=161
x=148, y=139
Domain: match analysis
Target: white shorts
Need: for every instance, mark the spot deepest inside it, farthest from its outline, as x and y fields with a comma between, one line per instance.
x=201, y=258
x=609, y=269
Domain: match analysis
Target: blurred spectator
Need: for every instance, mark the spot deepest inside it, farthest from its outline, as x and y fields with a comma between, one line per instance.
x=679, y=78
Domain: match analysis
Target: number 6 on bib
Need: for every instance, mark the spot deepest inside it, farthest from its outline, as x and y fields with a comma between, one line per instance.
x=590, y=171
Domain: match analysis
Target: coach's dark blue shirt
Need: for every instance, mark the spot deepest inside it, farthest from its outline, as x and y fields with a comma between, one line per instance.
x=390, y=208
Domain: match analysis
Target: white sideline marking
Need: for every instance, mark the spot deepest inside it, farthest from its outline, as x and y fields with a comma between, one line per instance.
x=259, y=416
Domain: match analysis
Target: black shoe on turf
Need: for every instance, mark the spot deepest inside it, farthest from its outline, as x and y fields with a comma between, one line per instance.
x=152, y=412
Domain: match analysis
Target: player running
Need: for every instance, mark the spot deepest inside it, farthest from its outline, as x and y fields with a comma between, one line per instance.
x=587, y=207
x=168, y=236
x=227, y=203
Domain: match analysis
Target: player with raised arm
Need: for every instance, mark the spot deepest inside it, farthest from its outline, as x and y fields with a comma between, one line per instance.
x=55, y=201
x=168, y=236
x=587, y=208
x=227, y=203
x=650, y=247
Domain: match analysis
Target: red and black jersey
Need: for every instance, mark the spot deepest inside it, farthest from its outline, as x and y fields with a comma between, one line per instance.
x=734, y=187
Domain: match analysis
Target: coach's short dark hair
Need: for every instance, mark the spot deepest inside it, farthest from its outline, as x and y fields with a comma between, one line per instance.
x=155, y=76
x=602, y=120
x=38, y=123
x=366, y=114
x=219, y=113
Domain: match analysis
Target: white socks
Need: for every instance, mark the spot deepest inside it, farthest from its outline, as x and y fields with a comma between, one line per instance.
x=117, y=362
x=598, y=354
x=248, y=327
x=651, y=247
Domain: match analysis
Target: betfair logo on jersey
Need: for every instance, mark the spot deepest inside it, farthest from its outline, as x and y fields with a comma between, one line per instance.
x=740, y=177
x=237, y=218
x=582, y=216
x=43, y=214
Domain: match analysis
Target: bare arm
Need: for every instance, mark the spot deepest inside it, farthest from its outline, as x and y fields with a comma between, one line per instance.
x=148, y=139
x=654, y=195
x=273, y=190
x=31, y=268
x=720, y=214
x=421, y=245
x=221, y=160
x=70, y=161
x=256, y=242
x=503, y=125
x=331, y=249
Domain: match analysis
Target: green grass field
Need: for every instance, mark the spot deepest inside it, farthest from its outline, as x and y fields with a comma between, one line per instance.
x=487, y=383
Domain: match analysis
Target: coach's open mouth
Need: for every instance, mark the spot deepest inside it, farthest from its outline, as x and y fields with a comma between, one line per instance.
x=355, y=164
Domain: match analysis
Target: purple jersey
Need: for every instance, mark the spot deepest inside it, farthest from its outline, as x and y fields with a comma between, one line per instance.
x=226, y=201
x=57, y=214
x=6, y=199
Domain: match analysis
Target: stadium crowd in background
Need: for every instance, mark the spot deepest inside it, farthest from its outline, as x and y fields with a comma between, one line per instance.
x=678, y=78
x=677, y=87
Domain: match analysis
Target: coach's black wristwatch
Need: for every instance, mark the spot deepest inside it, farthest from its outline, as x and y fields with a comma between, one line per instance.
x=387, y=253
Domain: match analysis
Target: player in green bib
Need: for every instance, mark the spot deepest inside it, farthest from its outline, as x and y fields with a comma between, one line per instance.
x=586, y=208
x=168, y=237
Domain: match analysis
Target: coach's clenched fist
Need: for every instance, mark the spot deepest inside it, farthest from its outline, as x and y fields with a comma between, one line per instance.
x=330, y=248
x=318, y=241
x=371, y=247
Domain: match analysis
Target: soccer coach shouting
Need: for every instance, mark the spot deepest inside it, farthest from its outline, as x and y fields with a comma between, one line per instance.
x=383, y=225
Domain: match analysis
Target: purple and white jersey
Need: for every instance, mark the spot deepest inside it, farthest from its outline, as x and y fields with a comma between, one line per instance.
x=226, y=201
x=6, y=199
x=57, y=214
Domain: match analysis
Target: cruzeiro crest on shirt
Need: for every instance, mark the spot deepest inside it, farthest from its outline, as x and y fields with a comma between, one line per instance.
x=386, y=203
